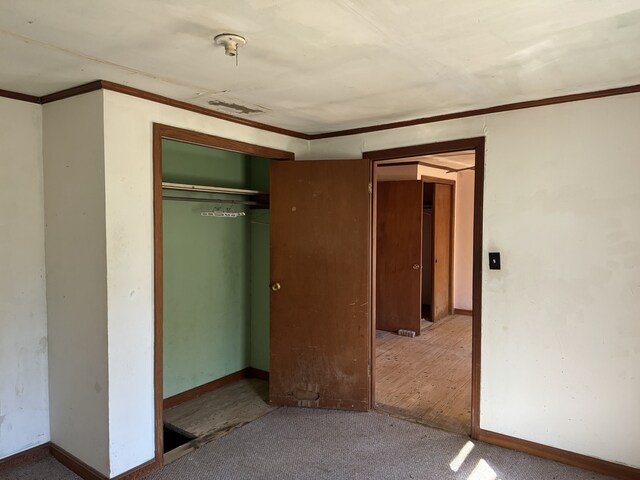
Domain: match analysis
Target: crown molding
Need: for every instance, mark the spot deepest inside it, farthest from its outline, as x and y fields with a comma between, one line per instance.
x=574, y=97
x=19, y=96
x=153, y=97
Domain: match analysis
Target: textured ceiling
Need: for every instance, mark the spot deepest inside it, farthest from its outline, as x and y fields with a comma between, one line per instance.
x=317, y=66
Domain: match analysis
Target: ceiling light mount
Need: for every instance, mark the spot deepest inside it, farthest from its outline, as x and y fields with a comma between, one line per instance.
x=231, y=42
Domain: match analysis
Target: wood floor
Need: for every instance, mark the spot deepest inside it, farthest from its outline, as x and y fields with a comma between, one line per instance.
x=427, y=378
x=216, y=413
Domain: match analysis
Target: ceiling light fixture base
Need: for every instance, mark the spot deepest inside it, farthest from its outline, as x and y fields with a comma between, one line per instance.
x=231, y=42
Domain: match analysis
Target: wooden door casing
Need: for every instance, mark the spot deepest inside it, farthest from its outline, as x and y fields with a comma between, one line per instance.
x=320, y=350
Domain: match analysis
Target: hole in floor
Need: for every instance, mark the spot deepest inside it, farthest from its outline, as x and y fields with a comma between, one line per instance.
x=173, y=439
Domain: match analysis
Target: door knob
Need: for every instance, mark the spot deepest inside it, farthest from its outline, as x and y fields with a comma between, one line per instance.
x=416, y=266
x=275, y=287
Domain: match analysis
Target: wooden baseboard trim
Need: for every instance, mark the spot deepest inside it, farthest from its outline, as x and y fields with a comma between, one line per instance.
x=30, y=455
x=140, y=471
x=257, y=373
x=76, y=465
x=86, y=472
x=248, y=372
x=585, y=462
x=461, y=311
x=206, y=388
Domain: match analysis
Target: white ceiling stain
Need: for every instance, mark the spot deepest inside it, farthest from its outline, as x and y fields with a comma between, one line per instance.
x=323, y=66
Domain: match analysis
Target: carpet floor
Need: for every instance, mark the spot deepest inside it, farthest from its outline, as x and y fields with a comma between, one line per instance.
x=296, y=443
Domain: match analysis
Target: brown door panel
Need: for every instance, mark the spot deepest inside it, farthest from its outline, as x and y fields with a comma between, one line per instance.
x=442, y=197
x=399, y=255
x=321, y=261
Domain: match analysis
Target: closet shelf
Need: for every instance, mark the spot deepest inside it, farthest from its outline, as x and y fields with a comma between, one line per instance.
x=205, y=188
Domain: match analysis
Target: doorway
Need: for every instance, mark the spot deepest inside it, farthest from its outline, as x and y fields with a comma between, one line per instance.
x=429, y=373
x=211, y=224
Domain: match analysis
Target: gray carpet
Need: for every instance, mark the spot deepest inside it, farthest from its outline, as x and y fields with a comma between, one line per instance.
x=292, y=443
x=46, y=468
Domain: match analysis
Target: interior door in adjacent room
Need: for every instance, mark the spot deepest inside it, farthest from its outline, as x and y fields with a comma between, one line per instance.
x=399, y=255
x=442, y=245
x=320, y=284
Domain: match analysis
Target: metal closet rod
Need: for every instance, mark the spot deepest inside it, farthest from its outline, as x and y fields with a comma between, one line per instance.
x=209, y=200
x=208, y=189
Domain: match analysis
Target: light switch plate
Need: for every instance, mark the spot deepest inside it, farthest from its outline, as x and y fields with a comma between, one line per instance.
x=494, y=260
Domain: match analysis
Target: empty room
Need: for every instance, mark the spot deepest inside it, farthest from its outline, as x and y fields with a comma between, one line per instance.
x=335, y=240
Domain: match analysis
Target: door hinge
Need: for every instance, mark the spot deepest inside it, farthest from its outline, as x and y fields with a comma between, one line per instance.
x=370, y=187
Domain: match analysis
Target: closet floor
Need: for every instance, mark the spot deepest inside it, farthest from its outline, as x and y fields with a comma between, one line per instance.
x=427, y=378
x=216, y=413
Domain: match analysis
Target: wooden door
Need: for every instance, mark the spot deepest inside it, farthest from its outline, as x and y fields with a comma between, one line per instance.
x=441, y=298
x=320, y=284
x=399, y=256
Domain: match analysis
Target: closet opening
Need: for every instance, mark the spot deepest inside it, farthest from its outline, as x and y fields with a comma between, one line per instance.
x=211, y=198
x=427, y=291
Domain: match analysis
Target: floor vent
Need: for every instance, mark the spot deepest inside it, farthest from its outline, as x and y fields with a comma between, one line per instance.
x=406, y=333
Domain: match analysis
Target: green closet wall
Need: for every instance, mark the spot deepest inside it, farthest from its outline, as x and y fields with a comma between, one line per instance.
x=216, y=270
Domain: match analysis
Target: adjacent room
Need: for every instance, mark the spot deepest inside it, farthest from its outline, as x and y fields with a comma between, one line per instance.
x=424, y=263
x=344, y=240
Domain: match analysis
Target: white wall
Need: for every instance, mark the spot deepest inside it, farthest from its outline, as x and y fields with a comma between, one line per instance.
x=24, y=395
x=399, y=172
x=73, y=149
x=129, y=235
x=560, y=330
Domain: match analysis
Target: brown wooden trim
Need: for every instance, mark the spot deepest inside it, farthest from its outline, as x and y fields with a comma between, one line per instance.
x=135, y=92
x=476, y=327
x=574, y=97
x=448, y=146
x=157, y=293
x=139, y=472
x=19, y=96
x=373, y=175
x=153, y=97
x=76, y=465
x=71, y=92
x=478, y=145
x=461, y=311
x=32, y=454
x=452, y=243
x=205, y=388
x=72, y=463
x=206, y=140
x=259, y=374
x=604, y=467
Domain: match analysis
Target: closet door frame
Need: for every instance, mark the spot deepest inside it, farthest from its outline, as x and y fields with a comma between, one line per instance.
x=167, y=132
